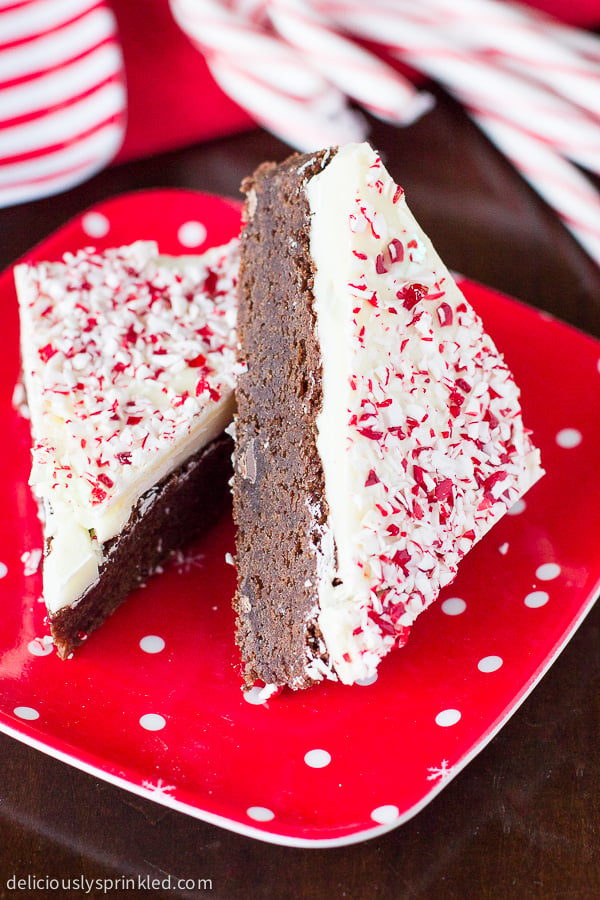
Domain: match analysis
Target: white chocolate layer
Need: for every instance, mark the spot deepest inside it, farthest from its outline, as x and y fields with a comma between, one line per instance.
x=420, y=434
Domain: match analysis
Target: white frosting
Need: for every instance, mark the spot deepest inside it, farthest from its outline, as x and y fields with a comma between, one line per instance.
x=420, y=435
x=128, y=363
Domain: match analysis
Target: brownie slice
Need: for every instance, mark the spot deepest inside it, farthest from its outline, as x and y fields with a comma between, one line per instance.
x=166, y=518
x=379, y=430
x=128, y=361
x=278, y=491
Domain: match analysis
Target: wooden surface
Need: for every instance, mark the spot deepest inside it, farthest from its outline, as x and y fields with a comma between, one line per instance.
x=523, y=819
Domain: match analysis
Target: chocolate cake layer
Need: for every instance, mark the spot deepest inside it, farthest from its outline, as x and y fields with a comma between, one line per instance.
x=278, y=483
x=167, y=517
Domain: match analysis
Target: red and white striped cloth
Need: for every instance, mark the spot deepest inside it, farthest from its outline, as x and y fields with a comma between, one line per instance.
x=62, y=95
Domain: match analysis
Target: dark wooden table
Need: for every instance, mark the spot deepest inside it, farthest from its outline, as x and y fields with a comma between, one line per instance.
x=523, y=819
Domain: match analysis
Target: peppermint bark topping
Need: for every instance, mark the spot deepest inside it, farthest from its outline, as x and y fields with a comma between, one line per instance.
x=434, y=423
x=128, y=351
x=421, y=436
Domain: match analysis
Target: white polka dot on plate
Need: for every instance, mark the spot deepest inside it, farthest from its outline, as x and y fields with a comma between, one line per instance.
x=547, y=571
x=567, y=438
x=95, y=224
x=260, y=813
x=447, y=717
x=317, y=759
x=385, y=815
x=3, y=570
x=490, y=663
x=26, y=712
x=152, y=721
x=152, y=643
x=192, y=234
x=454, y=606
x=536, y=599
x=517, y=508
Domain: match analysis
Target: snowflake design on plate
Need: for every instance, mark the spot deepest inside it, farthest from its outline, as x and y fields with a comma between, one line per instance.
x=161, y=787
x=441, y=772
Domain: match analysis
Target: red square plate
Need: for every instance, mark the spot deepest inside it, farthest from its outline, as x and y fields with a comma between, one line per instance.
x=153, y=701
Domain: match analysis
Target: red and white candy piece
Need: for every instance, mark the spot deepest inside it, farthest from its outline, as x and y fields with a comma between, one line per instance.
x=360, y=74
x=267, y=77
x=563, y=187
x=585, y=43
x=532, y=126
x=478, y=81
x=532, y=85
x=62, y=95
x=276, y=80
x=516, y=41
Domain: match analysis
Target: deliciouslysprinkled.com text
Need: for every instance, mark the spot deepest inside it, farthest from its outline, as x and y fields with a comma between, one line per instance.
x=97, y=887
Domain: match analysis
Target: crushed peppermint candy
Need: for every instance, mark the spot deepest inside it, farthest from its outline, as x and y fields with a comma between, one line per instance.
x=127, y=350
x=433, y=438
x=444, y=447
x=31, y=560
